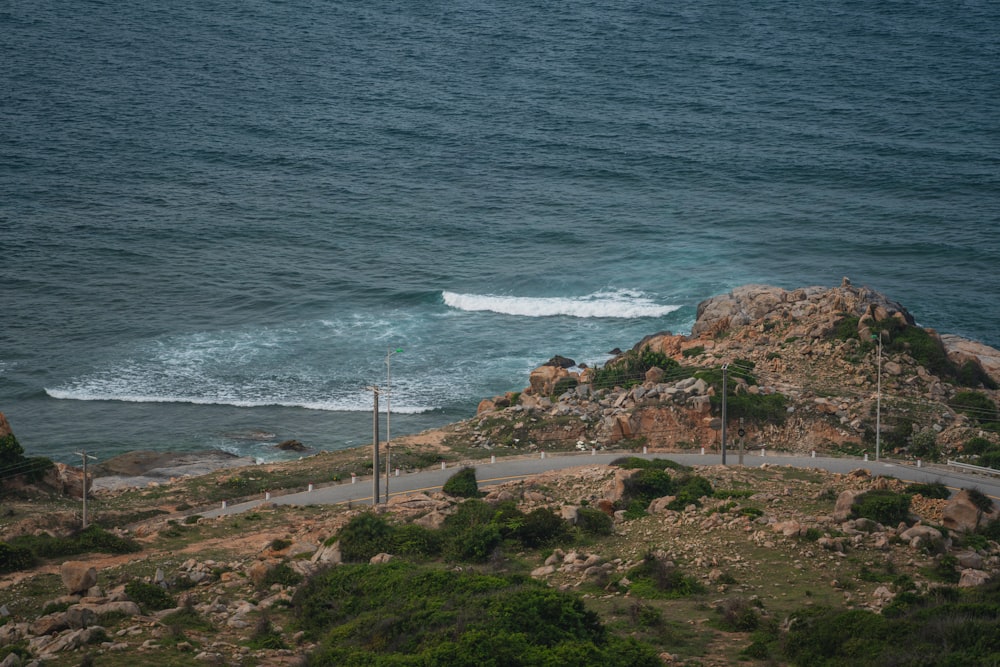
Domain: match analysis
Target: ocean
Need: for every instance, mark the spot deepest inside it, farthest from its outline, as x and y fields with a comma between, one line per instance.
x=220, y=221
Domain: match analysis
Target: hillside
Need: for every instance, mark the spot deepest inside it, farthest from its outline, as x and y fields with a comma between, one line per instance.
x=704, y=566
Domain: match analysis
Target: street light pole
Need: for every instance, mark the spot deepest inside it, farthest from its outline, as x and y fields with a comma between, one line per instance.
x=878, y=402
x=725, y=373
x=375, y=466
x=388, y=411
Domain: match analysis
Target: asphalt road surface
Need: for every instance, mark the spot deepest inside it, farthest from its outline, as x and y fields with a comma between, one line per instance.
x=510, y=468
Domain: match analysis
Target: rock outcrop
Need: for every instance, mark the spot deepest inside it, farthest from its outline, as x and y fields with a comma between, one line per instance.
x=810, y=348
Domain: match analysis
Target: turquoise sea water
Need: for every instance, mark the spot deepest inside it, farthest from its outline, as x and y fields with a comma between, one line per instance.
x=217, y=219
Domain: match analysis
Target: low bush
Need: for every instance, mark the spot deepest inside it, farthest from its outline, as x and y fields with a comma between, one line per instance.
x=14, y=558
x=594, y=522
x=635, y=462
x=976, y=446
x=563, y=385
x=89, y=540
x=149, y=596
x=655, y=578
x=462, y=484
x=930, y=490
x=405, y=614
x=885, y=507
x=364, y=536
x=738, y=615
x=630, y=369
x=976, y=405
x=282, y=575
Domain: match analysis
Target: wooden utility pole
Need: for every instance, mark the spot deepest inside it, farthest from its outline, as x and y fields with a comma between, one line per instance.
x=375, y=467
x=85, y=456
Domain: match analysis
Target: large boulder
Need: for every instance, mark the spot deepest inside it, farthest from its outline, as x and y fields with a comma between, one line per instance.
x=961, y=350
x=845, y=504
x=543, y=379
x=78, y=577
x=963, y=514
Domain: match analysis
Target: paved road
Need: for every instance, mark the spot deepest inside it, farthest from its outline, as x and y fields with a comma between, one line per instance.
x=507, y=469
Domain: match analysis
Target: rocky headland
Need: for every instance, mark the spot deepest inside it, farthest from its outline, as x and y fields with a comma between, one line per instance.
x=814, y=347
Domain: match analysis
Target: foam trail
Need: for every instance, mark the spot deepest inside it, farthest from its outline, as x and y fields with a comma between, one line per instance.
x=346, y=405
x=620, y=304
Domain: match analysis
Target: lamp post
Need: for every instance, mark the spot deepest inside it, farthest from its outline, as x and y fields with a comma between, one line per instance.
x=375, y=466
x=878, y=401
x=388, y=412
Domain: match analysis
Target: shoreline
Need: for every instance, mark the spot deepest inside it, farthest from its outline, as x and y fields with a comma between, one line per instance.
x=146, y=468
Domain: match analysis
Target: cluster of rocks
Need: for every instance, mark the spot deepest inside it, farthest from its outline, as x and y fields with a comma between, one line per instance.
x=829, y=382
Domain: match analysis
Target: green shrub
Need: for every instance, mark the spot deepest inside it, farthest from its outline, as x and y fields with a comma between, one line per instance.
x=654, y=578
x=265, y=636
x=738, y=615
x=462, y=484
x=283, y=575
x=982, y=501
x=187, y=618
x=930, y=490
x=411, y=539
x=364, y=536
x=563, y=385
x=694, y=351
x=91, y=539
x=472, y=533
x=923, y=445
x=846, y=328
x=885, y=507
x=540, y=527
x=635, y=462
x=14, y=463
x=14, y=558
x=646, y=485
x=820, y=637
x=149, y=596
x=630, y=369
x=979, y=407
x=690, y=491
x=977, y=445
x=971, y=374
x=594, y=522
x=754, y=408
x=405, y=614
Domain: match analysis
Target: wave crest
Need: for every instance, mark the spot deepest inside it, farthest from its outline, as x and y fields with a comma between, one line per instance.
x=620, y=304
x=348, y=404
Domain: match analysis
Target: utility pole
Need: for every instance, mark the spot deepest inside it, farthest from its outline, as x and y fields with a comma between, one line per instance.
x=388, y=412
x=878, y=402
x=375, y=466
x=725, y=373
x=85, y=456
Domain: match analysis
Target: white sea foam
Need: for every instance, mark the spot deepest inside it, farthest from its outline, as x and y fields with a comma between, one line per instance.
x=621, y=304
x=361, y=403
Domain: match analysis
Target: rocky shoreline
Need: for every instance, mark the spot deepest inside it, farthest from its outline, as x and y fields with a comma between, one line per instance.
x=148, y=468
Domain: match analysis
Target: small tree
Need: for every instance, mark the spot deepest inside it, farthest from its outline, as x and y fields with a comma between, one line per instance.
x=462, y=484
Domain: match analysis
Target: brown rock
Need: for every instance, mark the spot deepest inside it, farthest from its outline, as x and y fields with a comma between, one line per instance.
x=963, y=515
x=845, y=504
x=78, y=577
x=544, y=378
x=49, y=624
x=291, y=446
x=971, y=578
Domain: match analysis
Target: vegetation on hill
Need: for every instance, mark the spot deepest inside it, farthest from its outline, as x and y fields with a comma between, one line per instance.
x=409, y=614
